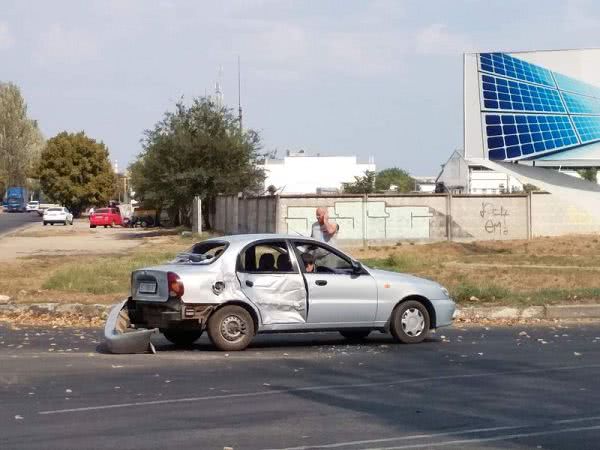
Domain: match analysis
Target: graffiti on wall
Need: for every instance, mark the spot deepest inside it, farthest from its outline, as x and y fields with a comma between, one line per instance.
x=494, y=218
x=374, y=219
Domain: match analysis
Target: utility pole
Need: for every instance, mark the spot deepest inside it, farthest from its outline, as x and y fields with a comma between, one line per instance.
x=240, y=95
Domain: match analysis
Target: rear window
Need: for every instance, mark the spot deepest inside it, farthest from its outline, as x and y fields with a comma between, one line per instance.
x=33, y=202
x=203, y=252
x=54, y=209
x=103, y=211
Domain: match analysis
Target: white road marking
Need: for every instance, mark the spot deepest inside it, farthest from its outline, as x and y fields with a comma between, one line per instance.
x=579, y=419
x=315, y=388
x=504, y=437
x=401, y=438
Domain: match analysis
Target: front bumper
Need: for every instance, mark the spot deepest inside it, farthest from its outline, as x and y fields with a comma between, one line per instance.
x=444, y=312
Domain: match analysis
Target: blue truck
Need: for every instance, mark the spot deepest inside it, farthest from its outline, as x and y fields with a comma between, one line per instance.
x=16, y=199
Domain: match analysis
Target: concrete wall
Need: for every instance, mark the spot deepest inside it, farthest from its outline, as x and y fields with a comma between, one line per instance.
x=551, y=216
x=489, y=217
x=387, y=219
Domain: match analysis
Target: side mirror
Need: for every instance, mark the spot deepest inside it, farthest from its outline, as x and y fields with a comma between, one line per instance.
x=356, y=266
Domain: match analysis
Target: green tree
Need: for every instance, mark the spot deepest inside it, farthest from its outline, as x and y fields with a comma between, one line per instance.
x=195, y=150
x=364, y=184
x=589, y=174
x=75, y=171
x=20, y=139
x=394, y=177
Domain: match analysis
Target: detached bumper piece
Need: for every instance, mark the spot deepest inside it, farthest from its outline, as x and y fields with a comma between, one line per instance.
x=121, y=338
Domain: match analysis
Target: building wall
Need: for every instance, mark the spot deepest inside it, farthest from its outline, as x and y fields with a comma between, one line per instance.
x=304, y=174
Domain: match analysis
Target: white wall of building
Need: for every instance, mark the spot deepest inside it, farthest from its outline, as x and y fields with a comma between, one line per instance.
x=492, y=182
x=299, y=174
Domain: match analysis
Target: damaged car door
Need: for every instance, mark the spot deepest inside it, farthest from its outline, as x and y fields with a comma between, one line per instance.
x=272, y=281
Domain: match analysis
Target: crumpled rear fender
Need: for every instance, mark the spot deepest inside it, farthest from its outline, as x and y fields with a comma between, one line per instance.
x=120, y=338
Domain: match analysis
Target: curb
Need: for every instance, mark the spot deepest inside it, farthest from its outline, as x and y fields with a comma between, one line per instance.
x=591, y=311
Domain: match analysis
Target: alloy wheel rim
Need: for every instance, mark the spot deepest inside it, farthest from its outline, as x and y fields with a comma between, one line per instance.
x=413, y=322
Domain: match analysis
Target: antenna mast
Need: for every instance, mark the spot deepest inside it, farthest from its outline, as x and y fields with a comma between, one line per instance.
x=240, y=94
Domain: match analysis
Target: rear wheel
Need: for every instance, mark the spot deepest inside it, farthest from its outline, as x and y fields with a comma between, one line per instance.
x=231, y=328
x=65, y=223
x=45, y=223
x=355, y=335
x=410, y=322
x=183, y=338
x=92, y=226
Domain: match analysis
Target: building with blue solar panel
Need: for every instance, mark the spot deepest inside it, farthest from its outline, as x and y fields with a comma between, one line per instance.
x=536, y=108
x=526, y=109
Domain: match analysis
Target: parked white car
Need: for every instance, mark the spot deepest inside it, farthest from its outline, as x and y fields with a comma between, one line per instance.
x=57, y=215
x=33, y=205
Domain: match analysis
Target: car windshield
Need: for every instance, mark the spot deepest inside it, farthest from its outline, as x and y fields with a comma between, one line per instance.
x=205, y=252
x=54, y=209
x=33, y=203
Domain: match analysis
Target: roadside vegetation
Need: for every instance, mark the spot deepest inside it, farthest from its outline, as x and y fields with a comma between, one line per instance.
x=537, y=272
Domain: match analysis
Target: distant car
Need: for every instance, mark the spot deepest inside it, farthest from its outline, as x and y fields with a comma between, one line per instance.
x=238, y=286
x=106, y=217
x=57, y=215
x=33, y=205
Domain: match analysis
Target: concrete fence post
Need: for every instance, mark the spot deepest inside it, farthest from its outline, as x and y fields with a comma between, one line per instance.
x=197, y=215
x=529, y=216
x=449, y=216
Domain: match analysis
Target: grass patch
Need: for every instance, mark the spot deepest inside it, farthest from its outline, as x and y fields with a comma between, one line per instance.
x=108, y=275
x=464, y=292
x=396, y=263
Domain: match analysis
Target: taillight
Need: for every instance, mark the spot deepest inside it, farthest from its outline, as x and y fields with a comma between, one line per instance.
x=175, y=285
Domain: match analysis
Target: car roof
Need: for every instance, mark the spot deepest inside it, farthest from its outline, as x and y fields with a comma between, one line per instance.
x=247, y=238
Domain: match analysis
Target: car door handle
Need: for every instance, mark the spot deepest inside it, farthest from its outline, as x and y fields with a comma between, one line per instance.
x=249, y=283
x=321, y=282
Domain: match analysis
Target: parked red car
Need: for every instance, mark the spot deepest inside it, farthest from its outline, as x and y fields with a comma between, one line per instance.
x=105, y=217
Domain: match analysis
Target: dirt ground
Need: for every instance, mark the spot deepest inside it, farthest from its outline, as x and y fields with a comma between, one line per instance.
x=78, y=239
x=47, y=264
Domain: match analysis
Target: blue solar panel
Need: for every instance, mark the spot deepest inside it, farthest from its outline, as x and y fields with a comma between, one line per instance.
x=579, y=104
x=502, y=94
x=511, y=136
x=571, y=84
x=588, y=128
x=502, y=64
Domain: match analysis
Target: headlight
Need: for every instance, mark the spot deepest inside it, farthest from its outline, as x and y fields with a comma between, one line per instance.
x=445, y=292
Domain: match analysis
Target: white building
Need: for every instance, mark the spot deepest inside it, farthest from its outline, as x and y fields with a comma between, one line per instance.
x=299, y=173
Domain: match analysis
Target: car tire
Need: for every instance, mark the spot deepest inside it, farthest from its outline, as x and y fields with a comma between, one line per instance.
x=45, y=223
x=52, y=224
x=231, y=328
x=92, y=226
x=410, y=322
x=355, y=335
x=182, y=338
x=71, y=222
x=65, y=223
x=105, y=226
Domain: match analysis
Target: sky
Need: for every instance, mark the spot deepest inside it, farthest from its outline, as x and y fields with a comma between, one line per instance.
x=374, y=78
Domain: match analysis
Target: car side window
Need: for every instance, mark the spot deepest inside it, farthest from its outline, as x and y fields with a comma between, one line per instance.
x=266, y=257
x=323, y=258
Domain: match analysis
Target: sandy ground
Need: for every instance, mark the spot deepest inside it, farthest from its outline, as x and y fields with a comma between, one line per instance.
x=37, y=240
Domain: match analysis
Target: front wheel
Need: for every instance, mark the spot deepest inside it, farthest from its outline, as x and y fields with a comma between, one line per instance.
x=45, y=223
x=410, y=322
x=231, y=328
x=92, y=226
x=182, y=338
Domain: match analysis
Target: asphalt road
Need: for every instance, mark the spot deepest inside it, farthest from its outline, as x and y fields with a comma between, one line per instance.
x=476, y=387
x=12, y=221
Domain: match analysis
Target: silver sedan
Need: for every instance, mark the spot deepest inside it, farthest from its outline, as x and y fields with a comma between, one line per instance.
x=237, y=286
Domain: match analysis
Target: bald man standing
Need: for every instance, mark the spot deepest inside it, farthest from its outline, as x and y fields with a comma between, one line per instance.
x=323, y=230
